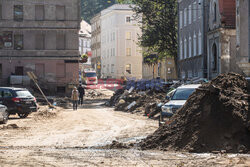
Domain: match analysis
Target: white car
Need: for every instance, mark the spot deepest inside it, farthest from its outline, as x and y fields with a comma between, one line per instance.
x=178, y=99
x=3, y=114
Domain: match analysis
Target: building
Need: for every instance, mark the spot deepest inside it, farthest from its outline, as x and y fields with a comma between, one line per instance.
x=243, y=37
x=120, y=54
x=40, y=36
x=221, y=39
x=192, y=31
x=85, y=42
x=96, y=44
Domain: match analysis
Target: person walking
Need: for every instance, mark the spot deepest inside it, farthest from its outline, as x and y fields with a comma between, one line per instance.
x=75, y=98
x=81, y=91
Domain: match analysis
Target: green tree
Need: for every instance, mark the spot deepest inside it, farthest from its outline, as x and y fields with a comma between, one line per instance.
x=159, y=26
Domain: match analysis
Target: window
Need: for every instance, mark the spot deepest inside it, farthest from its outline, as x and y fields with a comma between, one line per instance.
x=113, y=51
x=39, y=14
x=108, y=68
x=194, y=45
x=194, y=11
x=112, y=68
x=1, y=70
x=128, y=68
x=18, y=42
x=128, y=52
x=108, y=53
x=6, y=93
x=1, y=12
x=19, y=70
x=200, y=43
x=214, y=58
x=185, y=48
x=40, y=40
x=180, y=19
x=60, y=41
x=181, y=52
x=60, y=70
x=189, y=14
x=128, y=19
x=18, y=12
x=128, y=35
x=199, y=9
x=5, y=39
x=185, y=16
x=215, y=12
x=190, y=47
x=60, y=13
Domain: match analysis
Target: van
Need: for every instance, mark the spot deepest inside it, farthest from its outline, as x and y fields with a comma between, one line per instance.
x=90, y=78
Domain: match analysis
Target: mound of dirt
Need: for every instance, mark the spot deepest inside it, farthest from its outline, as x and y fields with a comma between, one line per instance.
x=46, y=113
x=216, y=117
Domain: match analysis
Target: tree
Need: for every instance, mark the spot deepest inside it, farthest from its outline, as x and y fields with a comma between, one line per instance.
x=159, y=26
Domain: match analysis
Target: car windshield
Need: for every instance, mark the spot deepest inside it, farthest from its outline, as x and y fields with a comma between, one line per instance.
x=182, y=94
x=23, y=93
x=90, y=74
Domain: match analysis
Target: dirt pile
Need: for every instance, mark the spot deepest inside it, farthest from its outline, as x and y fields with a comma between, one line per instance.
x=216, y=117
x=137, y=101
x=45, y=112
x=92, y=93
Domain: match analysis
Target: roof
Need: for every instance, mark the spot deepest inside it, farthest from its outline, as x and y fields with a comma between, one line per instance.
x=192, y=86
x=228, y=13
x=13, y=88
x=85, y=29
x=117, y=7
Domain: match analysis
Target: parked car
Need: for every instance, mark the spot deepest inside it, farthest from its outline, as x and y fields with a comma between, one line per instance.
x=178, y=99
x=3, y=114
x=18, y=101
x=89, y=78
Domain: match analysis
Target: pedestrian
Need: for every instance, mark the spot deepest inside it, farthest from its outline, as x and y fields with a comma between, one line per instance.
x=75, y=98
x=81, y=91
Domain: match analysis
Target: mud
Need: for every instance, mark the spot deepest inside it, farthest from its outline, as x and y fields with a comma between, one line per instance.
x=215, y=118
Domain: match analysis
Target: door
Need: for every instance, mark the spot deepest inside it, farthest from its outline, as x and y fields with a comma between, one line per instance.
x=6, y=99
x=19, y=70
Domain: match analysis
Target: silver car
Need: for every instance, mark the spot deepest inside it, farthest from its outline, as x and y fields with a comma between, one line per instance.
x=3, y=114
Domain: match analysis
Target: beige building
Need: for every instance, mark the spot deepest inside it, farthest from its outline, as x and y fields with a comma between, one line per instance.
x=40, y=36
x=96, y=44
x=120, y=54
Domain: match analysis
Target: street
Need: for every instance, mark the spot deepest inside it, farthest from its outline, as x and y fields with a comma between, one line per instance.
x=76, y=138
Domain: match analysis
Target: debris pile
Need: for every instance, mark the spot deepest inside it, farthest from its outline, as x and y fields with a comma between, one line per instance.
x=92, y=93
x=45, y=112
x=135, y=101
x=216, y=117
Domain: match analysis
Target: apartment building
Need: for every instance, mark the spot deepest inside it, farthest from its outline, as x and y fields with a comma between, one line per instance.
x=96, y=44
x=85, y=41
x=40, y=36
x=243, y=37
x=120, y=54
x=192, y=31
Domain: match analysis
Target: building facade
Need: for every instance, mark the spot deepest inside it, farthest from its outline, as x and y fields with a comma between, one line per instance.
x=96, y=44
x=40, y=36
x=243, y=37
x=192, y=30
x=221, y=39
x=120, y=54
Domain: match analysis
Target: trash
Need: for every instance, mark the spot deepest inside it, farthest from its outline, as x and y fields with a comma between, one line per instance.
x=131, y=105
x=214, y=118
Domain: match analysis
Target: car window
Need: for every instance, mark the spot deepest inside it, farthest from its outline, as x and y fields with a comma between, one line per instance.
x=182, y=94
x=90, y=74
x=23, y=93
x=5, y=93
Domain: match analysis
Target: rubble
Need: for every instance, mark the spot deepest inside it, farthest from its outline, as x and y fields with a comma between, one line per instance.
x=92, y=93
x=46, y=113
x=215, y=118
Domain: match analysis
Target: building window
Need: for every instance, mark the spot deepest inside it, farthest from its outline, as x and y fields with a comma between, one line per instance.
x=1, y=71
x=190, y=47
x=194, y=45
x=39, y=14
x=60, y=70
x=113, y=51
x=200, y=43
x=128, y=68
x=60, y=41
x=180, y=19
x=194, y=11
x=185, y=48
x=181, y=52
x=113, y=36
x=215, y=12
x=128, y=35
x=185, y=16
x=1, y=17
x=18, y=12
x=19, y=70
x=190, y=14
x=107, y=52
x=128, y=19
x=214, y=58
x=60, y=13
x=128, y=52
x=112, y=68
x=18, y=42
x=199, y=8
x=5, y=39
x=40, y=40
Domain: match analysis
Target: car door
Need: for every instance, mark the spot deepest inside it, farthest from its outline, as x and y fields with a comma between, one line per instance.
x=1, y=96
x=7, y=96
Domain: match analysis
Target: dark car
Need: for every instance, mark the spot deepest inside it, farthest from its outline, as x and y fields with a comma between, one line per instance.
x=3, y=114
x=18, y=101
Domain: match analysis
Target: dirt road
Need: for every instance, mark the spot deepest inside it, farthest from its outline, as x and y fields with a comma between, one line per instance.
x=72, y=138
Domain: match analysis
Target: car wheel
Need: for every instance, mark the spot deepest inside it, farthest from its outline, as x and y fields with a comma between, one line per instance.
x=23, y=115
